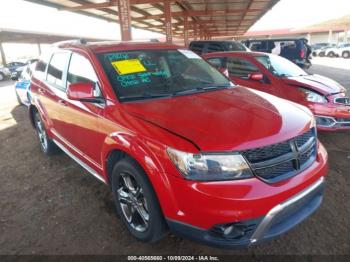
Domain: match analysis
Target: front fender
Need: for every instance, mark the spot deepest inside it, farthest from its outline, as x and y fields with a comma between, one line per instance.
x=140, y=151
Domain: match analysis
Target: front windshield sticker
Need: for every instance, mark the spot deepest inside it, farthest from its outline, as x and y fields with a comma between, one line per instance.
x=117, y=56
x=189, y=54
x=130, y=66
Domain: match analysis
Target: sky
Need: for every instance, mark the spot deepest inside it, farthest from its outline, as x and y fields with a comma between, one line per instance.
x=19, y=14
x=301, y=13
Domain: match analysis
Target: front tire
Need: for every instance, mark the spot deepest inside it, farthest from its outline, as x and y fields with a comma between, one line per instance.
x=136, y=202
x=47, y=146
x=346, y=55
x=2, y=76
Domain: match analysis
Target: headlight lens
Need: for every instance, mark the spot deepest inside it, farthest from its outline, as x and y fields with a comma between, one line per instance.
x=210, y=167
x=313, y=96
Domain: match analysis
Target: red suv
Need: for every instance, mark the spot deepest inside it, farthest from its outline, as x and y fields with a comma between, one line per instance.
x=181, y=146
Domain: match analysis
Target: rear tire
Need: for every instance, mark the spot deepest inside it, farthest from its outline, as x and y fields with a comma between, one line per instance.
x=136, y=202
x=331, y=54
x=2, y=76
x=346, y=54
x=48, y=147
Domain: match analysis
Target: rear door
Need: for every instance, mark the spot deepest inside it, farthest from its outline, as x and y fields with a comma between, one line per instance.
x=54, y=93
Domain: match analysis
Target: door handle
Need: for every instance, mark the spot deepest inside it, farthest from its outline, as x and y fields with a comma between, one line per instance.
x=41, y=91
x=62, y=102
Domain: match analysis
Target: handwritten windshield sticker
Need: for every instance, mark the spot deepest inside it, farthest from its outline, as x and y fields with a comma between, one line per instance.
x=117, y=56
x=189, y=54
x=130, y=66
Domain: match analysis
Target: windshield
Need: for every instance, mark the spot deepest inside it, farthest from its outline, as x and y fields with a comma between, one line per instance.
x=144, y=74
x=280, y=66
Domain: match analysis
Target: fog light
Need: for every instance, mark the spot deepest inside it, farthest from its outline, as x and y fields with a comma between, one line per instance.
x=230, y=231
x=325, y=121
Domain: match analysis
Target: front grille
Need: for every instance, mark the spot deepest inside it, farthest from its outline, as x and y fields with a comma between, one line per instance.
x=283, y=160
x=342, y=120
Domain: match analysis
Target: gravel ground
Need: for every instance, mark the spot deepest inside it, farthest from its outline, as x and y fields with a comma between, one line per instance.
x=52, y=206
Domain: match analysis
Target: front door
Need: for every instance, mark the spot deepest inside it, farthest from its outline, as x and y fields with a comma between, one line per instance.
x=81, y=118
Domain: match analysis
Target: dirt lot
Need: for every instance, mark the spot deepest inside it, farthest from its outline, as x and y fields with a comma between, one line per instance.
x=52, y=206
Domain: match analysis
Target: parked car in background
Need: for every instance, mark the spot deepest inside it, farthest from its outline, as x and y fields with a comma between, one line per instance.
x=319, y=46
x=343, y=51
x=294, y=49
x=321, y=52
x=22, y=85
x=203, y=47
x=278, y=76
x=18, y=71
x=336, y=51
x=14, y=65
x=4, y=72
x=181, y=146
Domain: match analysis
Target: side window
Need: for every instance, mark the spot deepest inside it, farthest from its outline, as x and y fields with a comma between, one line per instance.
x=41, y=66
x=81, y=70
x=197, y=47
x=240, y=67
x=214, y=47
x=258, y=46
x=55, y=72
x=216, y=62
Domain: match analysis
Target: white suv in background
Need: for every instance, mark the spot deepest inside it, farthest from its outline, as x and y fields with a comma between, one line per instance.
x=343, y=51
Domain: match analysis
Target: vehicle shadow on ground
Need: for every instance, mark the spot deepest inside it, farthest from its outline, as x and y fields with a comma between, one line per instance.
x=50, y=205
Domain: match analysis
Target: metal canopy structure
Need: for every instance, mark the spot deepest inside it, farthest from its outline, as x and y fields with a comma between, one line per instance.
x=9, y=35
x=185, y=19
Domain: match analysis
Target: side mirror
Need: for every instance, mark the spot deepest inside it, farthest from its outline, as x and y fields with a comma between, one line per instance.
x=83, y=91
x=256, y=76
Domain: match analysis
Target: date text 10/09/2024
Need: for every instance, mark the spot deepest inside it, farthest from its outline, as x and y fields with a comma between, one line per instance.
x=173, y=258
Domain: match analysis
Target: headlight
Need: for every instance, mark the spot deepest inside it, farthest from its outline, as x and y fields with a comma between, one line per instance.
x=210, y=167
x=313, y=96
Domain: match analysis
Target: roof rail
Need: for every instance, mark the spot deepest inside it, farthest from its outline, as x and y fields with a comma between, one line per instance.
x=80, y=41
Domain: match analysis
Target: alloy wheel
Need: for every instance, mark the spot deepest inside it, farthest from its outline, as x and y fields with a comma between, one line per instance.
x=41, y=134
x=133, y=203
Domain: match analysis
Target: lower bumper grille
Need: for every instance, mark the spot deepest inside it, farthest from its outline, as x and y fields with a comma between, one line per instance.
x=283, y=160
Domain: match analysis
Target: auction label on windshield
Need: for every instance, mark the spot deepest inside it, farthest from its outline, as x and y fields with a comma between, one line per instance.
x=130, y=66
x=189, y=54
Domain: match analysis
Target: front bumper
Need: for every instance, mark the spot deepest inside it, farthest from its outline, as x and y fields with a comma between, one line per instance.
x=329, y=123
x=203, y=211
x=280, y=219
x=331, y=116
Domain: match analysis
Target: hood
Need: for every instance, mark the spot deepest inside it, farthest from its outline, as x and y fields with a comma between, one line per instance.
x=225, y=120
x=320, y=84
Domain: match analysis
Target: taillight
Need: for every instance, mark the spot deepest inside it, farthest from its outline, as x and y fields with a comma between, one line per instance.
x=302, y=53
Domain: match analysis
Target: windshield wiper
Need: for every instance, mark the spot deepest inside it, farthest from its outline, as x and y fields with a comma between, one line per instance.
x=201, y=89
x=143, y=96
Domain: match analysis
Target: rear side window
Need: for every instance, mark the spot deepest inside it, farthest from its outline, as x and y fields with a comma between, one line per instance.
x=240, y=67
x=41, y=66
x=55, y=72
